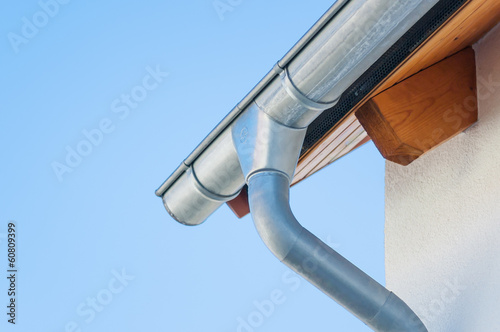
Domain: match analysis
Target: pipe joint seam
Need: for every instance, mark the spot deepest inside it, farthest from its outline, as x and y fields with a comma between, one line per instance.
x=301, y=98
x=267, y=171
x=211, y=195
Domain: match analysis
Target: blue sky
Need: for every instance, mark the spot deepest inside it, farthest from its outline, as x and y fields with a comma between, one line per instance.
x=100, y=102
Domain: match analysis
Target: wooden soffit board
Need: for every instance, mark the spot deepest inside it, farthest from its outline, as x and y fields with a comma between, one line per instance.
x=463, y=29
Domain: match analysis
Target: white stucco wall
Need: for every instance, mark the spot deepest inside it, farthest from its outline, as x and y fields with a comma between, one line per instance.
x=442, y=232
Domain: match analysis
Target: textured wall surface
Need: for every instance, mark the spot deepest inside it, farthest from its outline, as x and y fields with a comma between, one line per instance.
x=442, y=227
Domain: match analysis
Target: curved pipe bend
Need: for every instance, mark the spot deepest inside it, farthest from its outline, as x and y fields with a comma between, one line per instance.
x=299, y=249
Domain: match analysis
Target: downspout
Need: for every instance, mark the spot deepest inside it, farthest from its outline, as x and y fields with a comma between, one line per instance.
x=268, y=152
x=323, y=267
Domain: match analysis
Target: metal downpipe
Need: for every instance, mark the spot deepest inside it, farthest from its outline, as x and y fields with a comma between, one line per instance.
x=299, y=249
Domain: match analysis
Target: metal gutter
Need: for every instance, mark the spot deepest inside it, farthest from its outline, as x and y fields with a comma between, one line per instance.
x=328, y=63
x=238, y=109
x=355, y=93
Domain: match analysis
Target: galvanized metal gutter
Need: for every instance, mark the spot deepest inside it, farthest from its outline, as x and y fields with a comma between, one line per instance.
x=240, y=107
x=342, y=47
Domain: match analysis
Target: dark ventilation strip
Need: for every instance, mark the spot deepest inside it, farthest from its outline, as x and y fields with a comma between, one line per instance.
x=384, y=66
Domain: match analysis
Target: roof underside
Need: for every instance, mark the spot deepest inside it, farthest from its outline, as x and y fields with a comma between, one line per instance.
x=450, y=27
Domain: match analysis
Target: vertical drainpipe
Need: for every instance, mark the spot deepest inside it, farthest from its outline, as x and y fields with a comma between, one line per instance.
x=268, y=152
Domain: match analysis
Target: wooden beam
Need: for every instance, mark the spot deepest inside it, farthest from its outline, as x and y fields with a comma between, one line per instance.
x=423, y=111
x=463, y=29
x=239, y=205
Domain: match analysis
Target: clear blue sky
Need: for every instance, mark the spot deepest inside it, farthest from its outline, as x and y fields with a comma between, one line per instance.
x=81, y=161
